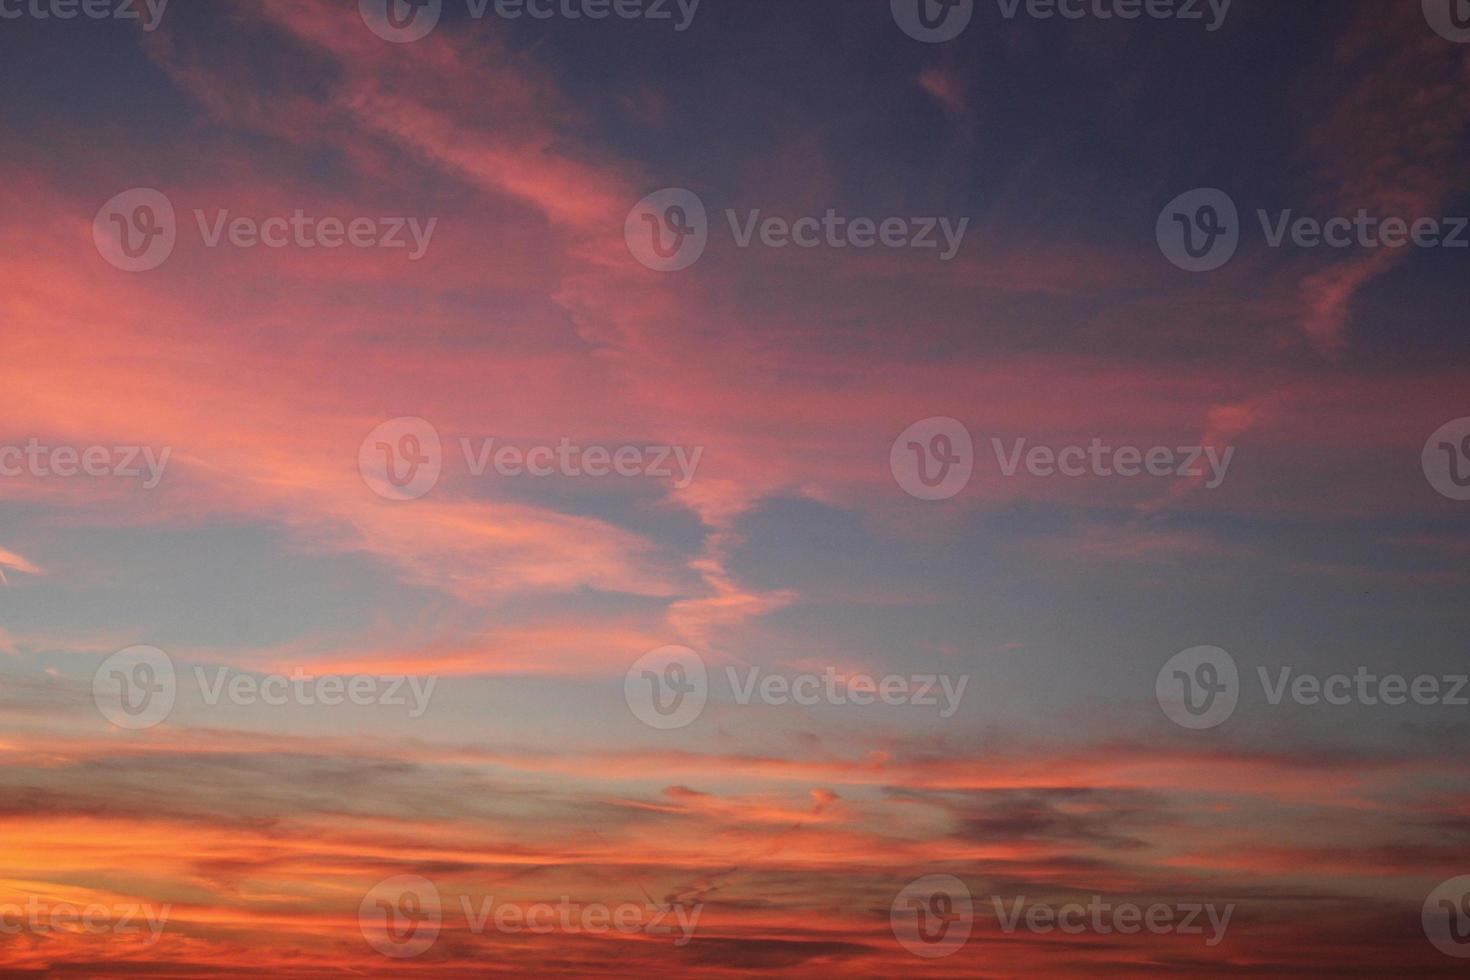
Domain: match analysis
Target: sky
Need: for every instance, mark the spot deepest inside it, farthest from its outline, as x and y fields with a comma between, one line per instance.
x=838, y=488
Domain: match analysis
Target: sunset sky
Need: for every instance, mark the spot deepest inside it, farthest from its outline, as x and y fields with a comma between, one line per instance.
x=294, y=483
